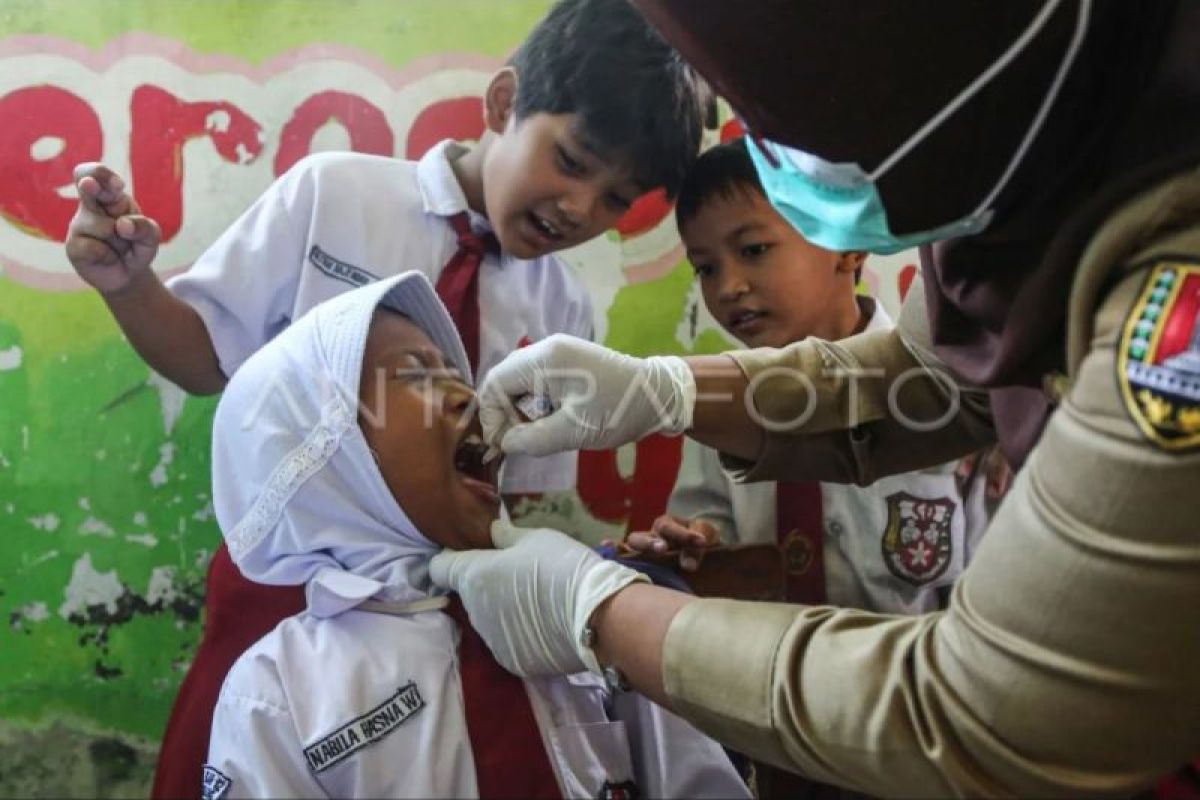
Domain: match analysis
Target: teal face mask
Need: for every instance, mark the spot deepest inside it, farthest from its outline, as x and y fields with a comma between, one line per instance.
x=842, y=213
x=838, y=206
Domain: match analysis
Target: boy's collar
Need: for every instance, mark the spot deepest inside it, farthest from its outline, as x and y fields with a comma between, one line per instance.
x=441, y=192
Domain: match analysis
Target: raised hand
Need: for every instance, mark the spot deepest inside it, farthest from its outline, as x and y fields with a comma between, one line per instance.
x=109, y=243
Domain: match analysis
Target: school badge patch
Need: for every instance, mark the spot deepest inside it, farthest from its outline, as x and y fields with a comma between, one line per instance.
x=1158, y=363
x=916, y=543
x=798, y=553
x=215, y=783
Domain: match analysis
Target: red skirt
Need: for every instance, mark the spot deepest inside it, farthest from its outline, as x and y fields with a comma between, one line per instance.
x=237, y=614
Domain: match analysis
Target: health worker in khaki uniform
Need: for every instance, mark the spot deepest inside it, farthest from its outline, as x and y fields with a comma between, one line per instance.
x=1052, y=152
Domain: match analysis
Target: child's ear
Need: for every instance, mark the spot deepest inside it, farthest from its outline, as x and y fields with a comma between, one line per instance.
x=499, y=101
x=851, y=261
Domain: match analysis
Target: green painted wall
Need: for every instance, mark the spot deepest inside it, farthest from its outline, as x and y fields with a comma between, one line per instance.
x=105, y=510
x=106, y=525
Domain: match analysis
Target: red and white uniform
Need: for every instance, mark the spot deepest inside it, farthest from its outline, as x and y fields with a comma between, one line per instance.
x=338, y=220
x=280, y=728
x=333, y=222
x=368, y=692
x=895, y=546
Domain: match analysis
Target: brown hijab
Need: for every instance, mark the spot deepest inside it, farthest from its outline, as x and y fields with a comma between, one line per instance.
x=850, y=81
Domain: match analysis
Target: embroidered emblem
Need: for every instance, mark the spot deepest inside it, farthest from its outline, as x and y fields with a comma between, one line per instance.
x=797, y=552
x=365, y=729
x=917, y=545
x=1158, y=363
x=339, y=270
x=625, y=790
x=216, y=783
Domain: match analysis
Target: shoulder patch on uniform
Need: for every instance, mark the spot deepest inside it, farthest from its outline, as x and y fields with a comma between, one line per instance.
x=917, y=542
x=216, y=783
x=338, y=269
x=364, y=729
x=1158, y=360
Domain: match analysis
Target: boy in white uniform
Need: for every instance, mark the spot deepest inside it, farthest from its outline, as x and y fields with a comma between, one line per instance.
x=345, y=455
x=894, y=546
x=593, y=110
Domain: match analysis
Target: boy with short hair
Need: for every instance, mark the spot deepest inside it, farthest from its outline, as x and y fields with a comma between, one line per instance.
x=346, y=454
x=894, y=546
x=593, y=110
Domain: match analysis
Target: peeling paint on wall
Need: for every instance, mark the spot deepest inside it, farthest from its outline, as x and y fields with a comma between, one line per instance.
x=89, y=587
x=106, y=516
x=107, y=522
x=10, y=358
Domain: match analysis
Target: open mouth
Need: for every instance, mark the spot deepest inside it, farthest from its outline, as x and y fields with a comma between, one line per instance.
x=544, y=227
x=745, y=320
x=480, y=477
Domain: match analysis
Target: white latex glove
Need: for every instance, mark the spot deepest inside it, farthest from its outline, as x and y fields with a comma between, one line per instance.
x=600, y=398
x=531, y=598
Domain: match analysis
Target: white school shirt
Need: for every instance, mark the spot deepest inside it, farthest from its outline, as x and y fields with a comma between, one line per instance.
x=368, y=704
x=933, y=527
x=336, y=221
x=344, y=701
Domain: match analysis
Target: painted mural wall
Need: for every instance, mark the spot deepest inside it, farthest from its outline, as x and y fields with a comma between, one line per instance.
x=106, y=522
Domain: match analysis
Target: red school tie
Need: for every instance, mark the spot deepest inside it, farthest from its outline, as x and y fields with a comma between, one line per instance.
x=800, y=531
x=510, y=759
x=458, y=285
x=799, y=526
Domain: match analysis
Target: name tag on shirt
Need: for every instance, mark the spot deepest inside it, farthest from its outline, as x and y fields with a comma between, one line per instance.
x=364, y=729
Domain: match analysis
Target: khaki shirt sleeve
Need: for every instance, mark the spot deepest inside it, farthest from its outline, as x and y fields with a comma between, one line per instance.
x=879, y=403
x=1066, y=661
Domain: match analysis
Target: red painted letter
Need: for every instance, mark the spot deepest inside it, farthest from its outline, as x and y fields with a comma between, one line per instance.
x=646, y=212
x=30, y=177
x=162, y=125
x=638, y=499
x=366, y=124
x=456, y=118
x=731, y=130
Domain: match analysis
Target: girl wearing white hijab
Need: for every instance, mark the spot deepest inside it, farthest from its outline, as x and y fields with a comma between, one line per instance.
x=378, y=689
